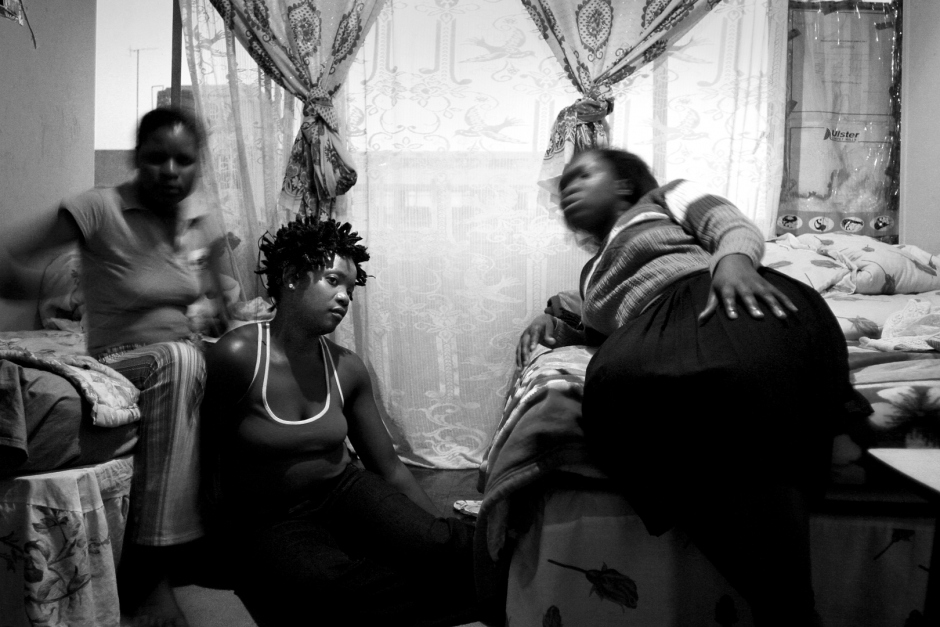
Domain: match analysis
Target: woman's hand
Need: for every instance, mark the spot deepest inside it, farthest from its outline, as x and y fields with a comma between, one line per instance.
x=540, y=331
x=736, y=279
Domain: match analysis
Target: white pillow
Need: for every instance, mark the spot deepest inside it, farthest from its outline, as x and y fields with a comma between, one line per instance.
x=879, y=268
x=797, y=260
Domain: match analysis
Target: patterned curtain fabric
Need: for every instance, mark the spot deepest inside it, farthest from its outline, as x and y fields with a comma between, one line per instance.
x=600, y=43
x=306, y=46
x=446, y=109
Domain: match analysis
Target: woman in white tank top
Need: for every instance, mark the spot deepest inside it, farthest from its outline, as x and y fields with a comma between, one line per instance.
x=360, y=542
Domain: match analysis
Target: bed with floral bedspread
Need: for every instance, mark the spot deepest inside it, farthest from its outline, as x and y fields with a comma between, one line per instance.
x=572, y=550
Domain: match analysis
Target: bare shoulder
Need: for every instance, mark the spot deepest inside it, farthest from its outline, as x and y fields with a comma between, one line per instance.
x=350, y=366
x=230, y=362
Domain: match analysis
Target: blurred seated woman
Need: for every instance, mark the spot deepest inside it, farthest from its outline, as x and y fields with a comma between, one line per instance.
x=319, y=538
x=146, y=256
x=731, y=414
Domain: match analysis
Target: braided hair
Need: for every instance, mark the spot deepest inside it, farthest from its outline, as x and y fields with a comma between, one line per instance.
x=305, y=244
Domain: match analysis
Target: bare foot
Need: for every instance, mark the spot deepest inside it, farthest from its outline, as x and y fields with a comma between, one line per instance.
x=158, y=609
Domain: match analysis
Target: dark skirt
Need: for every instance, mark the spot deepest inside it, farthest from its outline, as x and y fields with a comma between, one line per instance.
x=682, y=414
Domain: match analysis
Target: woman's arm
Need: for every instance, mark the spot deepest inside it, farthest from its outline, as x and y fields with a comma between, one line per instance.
x=229, y=368
x=368, y=434
x=217, y=294
x=22, y=254
x=718, y=225
x=736, y=247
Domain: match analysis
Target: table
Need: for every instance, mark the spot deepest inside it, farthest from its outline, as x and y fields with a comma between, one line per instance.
x=60, y=541
x=922, y=467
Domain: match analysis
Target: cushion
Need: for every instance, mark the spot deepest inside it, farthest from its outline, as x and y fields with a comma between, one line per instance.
x=879, y=268
x=61, y=302
x=797, y=260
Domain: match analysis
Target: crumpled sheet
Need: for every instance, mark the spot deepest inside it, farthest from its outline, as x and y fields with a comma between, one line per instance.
x=914, y=328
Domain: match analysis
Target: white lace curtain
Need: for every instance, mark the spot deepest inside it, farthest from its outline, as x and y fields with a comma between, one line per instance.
x=447, y=108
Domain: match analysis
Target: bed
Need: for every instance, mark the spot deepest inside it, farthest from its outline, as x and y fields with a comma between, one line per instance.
x=557, y=545
x=68, y=427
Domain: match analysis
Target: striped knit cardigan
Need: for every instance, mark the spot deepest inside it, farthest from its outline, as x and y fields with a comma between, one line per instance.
x=671, y=232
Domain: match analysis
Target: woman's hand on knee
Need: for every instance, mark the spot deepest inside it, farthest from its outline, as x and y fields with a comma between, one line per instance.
x=736, y=280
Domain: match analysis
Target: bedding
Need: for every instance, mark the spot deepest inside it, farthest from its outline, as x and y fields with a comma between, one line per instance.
x=60, y=408
x=545, y=503
x=877, y=267
x=531, y=518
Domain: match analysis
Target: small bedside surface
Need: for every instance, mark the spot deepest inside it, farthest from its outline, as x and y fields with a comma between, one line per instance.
x=920, y=464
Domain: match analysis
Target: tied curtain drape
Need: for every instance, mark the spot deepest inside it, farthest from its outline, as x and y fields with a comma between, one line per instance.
x=600, y=43
x=446, y=110
x=306, y=46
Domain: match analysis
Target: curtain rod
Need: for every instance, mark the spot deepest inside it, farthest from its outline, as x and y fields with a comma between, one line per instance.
x=176, y=56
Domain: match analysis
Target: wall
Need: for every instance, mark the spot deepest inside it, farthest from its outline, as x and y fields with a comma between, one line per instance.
x=47, y=115
x=920, y=130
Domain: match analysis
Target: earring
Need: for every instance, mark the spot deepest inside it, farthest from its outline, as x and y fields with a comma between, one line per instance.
x=290, y=286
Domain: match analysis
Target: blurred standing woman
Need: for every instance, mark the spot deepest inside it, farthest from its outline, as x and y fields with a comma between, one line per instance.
x=710, y=413
x=146, y=256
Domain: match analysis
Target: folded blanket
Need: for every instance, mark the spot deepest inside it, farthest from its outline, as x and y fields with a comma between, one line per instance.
x=112, y=399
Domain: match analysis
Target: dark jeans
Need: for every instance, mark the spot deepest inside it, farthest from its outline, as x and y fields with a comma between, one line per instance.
x=358, y=552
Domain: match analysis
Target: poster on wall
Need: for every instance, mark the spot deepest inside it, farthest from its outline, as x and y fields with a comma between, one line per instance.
x=843, y=120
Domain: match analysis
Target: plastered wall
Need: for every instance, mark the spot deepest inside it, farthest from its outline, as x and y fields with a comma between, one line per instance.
x=47, y=113
x=920, y=125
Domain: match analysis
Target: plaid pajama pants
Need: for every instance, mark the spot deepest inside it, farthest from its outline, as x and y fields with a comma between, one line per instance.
x=165, y=489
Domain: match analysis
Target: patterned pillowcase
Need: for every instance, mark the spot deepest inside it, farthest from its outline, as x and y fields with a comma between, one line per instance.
x=61, y=301
x=788, y=255
x=879, y=268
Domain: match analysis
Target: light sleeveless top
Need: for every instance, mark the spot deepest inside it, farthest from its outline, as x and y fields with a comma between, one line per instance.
x=264, y=344
x=273, y=456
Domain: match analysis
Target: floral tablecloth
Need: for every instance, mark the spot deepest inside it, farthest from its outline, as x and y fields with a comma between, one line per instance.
x=60, y=543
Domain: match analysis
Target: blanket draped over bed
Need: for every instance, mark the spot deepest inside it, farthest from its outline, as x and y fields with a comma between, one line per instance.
x=108, y=399
x=539, y=434
x=540, y=431
x=111, y=397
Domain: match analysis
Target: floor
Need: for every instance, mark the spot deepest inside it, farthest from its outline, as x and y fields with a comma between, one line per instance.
x=210, y=607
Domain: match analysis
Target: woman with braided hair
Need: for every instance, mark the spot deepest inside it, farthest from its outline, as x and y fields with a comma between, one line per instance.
x=323, y=537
